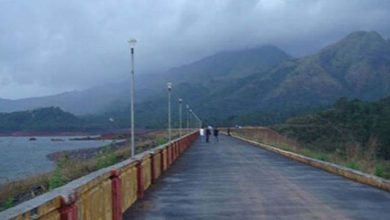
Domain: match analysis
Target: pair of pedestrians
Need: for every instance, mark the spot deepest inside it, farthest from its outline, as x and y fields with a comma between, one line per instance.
x=207, y=132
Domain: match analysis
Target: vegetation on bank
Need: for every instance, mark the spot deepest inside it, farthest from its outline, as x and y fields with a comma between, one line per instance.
x=54, y=119
x=51, y=119
x=68, y=169
x=349, y=127
x=352, y=133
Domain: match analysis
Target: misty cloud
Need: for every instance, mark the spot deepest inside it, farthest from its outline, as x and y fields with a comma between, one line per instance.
x=52, y=46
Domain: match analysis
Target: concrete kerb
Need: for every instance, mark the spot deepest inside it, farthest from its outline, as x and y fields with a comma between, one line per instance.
x=68, y=193
x=329, y=167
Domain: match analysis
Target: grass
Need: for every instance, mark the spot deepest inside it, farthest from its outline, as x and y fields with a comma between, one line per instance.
x=353, y=165
x=161, y=141
x=382, y=170
x=68, y=169
x=107, y=158
x=10, y=191
x=57, y=179
x=9, y=203
x=351, y=157
x=322, y=157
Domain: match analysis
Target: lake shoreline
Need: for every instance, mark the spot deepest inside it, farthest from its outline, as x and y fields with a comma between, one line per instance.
x=47, y=134
x=85, y=153
x=106, y=133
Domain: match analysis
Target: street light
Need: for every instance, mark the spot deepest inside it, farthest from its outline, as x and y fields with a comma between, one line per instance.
x=169, y=86
x=197, y=118
x=188, y=118
x=191, y=124
x=180, y=117
x=132, y=43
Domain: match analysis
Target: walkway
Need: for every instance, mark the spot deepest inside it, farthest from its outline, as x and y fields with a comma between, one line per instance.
x=235, y=180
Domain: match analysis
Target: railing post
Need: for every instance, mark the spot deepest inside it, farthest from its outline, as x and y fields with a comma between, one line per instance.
x=186, y=142
x=177, y=149
x=174, y=151
x=116, y=185
x=169, y=157
x=162, y=161
x=68, y=210
x=140, y=179
x=176, y=154
x=152, y=170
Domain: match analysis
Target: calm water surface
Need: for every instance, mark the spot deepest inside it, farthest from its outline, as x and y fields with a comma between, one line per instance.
x=20, y=157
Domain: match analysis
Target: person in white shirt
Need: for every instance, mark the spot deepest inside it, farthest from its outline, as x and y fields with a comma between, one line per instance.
x=201, y=132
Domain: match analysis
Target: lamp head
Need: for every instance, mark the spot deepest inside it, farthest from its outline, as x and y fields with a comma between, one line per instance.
x=132, y=42
x=180, y=100
x=169, y=86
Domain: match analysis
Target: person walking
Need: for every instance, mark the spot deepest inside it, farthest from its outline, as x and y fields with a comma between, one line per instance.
x=201, y=132
x=216, y=133
x=208, y=133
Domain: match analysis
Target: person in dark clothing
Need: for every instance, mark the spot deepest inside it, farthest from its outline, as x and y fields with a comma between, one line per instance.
x=208, y=133
x=228, y=132
x=216, y=132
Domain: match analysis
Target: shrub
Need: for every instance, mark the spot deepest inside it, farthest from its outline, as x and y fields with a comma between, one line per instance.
x=9, y=203
x=161, y=141
x=106, y=159
x=56, y=180
x=323, y=157
x=353, y=165
x=382, y=171
x=379, y=170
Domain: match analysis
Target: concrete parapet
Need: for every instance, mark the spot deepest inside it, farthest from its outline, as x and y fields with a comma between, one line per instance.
x=106, y=193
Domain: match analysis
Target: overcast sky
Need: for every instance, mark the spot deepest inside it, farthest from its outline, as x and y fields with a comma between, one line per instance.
x=51, y=46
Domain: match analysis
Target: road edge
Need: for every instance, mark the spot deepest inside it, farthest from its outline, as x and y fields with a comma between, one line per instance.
x=351, y=174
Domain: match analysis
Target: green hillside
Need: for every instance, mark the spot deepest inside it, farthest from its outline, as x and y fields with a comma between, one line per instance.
x=51, y=119
x=358, y=67
x=350, y=126
x=197, y=83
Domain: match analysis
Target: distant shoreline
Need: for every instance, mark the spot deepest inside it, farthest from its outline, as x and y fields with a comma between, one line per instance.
x=86, y=153
x=47, y=134
x=70, y=133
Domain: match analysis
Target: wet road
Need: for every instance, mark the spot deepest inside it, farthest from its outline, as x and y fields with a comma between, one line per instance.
x=235, y=180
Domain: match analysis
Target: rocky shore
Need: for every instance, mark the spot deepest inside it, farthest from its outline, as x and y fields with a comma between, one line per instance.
x=87, y=153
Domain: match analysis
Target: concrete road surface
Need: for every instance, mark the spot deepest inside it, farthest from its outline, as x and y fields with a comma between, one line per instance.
x=235, y=180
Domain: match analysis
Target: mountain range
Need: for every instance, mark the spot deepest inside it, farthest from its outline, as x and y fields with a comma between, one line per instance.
x=357, y=66
x=256, y=84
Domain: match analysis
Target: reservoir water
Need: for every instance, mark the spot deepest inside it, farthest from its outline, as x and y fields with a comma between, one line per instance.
x=21, y=157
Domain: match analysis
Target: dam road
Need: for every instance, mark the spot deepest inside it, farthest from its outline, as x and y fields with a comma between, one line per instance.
x=232, y=179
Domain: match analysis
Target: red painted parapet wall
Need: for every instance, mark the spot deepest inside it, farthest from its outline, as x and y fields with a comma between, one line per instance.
x=106, y=193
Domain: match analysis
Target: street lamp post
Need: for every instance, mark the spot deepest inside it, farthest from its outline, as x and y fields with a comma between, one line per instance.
x=132, y=43
x=180, y=116
x=198, y=119
x=188, y=118
x=191, y=123
x=169, y=85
